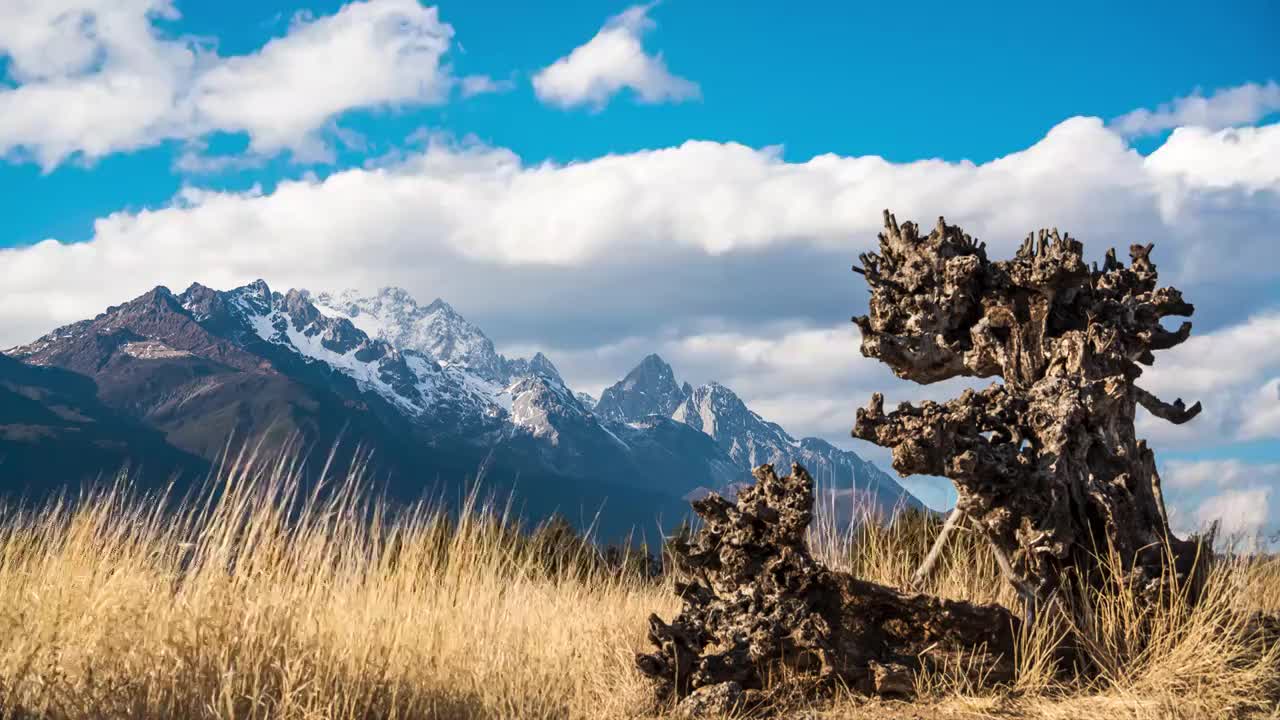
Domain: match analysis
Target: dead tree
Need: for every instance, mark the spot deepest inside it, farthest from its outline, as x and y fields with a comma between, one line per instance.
x=756, y=602
x=1046, y=464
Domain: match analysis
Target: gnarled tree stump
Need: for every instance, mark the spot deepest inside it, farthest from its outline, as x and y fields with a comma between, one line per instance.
x=1046, y=463
x=755, y=600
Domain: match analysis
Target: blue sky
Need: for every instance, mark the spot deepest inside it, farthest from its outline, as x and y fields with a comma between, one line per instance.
x=846, y=78
x=602, y=180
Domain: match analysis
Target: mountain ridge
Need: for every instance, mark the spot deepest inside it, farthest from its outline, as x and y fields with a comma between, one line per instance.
x=422, y=386
x=748, y=439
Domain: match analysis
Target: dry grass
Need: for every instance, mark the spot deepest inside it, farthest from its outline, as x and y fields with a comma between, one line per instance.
x=265, y=603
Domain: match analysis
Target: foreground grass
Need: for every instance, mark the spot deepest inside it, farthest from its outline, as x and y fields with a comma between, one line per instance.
x=266, y=603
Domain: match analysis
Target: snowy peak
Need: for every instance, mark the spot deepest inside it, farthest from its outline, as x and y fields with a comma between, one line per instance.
x=428, y=361
x=537, y=366
x=430, y=379
x=436, y=330
x=543, y=405
x=649, y=389
x=292, y=320
x=437, y=306
x=719, y=412
x=154, y=321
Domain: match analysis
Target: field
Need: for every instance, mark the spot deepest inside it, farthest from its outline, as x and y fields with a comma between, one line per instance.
x=268, y=602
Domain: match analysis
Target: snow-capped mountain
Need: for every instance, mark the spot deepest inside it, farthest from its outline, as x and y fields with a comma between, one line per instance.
x=543, y=406
x=420, y=388
x=436, y=330
x=748, y=439
x=649, y=389
x=293, y=321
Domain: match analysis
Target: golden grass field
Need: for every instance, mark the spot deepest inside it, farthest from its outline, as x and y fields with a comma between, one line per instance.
x=269, y=604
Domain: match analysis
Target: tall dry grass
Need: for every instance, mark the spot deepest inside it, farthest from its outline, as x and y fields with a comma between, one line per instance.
x=267, y=602
x=261, y=599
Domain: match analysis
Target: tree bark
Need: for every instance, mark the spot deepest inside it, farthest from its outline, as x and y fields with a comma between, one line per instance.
x=756, y=601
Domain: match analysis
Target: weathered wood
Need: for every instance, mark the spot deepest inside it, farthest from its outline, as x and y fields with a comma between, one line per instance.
x=756, y=601
x=922, y=573
x=1047, y=463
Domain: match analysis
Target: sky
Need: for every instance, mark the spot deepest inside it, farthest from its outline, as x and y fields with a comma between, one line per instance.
x=601, y=180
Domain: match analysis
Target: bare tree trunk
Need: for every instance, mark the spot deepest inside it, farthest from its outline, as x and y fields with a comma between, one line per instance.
x=1046, y=464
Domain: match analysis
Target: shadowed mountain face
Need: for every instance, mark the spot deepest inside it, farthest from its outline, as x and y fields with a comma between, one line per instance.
x=53, y=426
x=419, y=389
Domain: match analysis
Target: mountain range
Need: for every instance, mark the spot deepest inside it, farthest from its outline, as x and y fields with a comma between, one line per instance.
x=164, y=382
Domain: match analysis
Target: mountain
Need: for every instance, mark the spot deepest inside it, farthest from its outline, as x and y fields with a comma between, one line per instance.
x=419, y=390
x=197, y=367
x=748, y=439
x=649, y=389
x=203, y=366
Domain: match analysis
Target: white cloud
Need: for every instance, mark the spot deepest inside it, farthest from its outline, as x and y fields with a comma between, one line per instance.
x=101, y=76
x=1233, y=493
x=1234, y=157
x=94, y=76
x=369, y=54
x=1241, y=105
x=1242, y=352
x=1234, y=372
x=194, y=160
x=473, y=85
x=1228, y=473
x=705, y=222
x=1240, y=512
x=1262, y=412
x=610, y=61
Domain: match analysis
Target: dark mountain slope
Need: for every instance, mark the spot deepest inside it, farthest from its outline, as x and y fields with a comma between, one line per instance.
x=55, y=434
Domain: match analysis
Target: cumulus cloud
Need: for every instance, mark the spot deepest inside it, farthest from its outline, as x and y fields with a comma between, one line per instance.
x=1238, y=512
x=1235, y=157
x=1241, y=105
x=95, y=77
x=1262, y=417
x=704, y=220
x=1234, y=371
x=729, y=260
x=1228, y=473
x=369, y=54
x=1233, y=493
x=613, y=60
